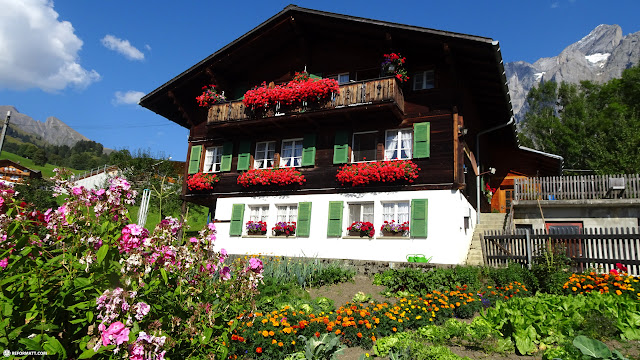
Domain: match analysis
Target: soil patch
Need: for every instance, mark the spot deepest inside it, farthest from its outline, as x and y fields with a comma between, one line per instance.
x=344, y=292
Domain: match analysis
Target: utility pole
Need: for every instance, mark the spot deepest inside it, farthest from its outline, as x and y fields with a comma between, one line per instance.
x=4, y=129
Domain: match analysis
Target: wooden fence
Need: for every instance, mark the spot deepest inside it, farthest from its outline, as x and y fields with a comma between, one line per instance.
x=586, y=187
x=592, y=248
x=351, y=94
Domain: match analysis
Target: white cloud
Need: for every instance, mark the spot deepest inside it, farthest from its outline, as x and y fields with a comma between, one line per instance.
x=37, y=50
x=555, y=5
x=148, y=47
x=124, y=47
x=127, y=98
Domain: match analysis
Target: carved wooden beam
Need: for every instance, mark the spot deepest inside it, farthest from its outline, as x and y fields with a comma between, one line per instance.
x=178, y=104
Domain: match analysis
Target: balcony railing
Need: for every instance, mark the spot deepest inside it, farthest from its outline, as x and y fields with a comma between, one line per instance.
x=588, y=187
x=352, y=94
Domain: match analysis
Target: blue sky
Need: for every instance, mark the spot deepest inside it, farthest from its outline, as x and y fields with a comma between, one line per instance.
x=88, y=62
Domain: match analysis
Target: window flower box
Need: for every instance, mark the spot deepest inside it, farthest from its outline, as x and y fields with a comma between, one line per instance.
x=362, y=229
x=377, y=172
x=265, y=177
x=395, y=229
x=302, y=89
x=256, y=227
x=283, y=228
x=202, y=182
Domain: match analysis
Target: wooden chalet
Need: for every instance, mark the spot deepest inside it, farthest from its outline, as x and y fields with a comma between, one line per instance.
x=456, y=92
x=14, y=173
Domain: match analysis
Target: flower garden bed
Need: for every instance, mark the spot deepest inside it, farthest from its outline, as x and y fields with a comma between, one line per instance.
x=80, y=281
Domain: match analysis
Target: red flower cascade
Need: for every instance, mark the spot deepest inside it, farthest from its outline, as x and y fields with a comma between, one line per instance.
x=301, y=88
x=200, y=181
x=281, y=177
x=377, y=172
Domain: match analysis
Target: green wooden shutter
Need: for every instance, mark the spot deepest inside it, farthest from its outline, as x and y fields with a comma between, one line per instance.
x=309, y=150
x=244, y=155
x=237, y=215
x=227, y=156
x=334, y=228
x=421, y=140
x=194, y=159
x=419, y=217
x=304, y=219
x=341, y=147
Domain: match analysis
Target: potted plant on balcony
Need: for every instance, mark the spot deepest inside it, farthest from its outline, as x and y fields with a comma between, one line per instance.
x=202, y=181
x=210, y=96
x=394, y=229
x=284, y=228
x=362, y=229
x=256, y=227
x=386, y=172
x=393, y=64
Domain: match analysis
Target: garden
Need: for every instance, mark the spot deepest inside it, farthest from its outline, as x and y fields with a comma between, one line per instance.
x=82, y=281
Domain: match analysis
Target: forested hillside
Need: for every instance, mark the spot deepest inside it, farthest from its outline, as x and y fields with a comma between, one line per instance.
x=593, y=126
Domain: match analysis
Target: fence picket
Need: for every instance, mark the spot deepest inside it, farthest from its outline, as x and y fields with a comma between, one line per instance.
x=593, y=247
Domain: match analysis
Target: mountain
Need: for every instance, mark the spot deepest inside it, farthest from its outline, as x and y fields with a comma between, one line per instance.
x=600, y=56
x=52, y=131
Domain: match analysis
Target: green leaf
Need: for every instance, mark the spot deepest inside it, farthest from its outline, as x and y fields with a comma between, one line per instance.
x=163, y=272
x=30, y=344
x=53, y=346
x=87, y=354
x=592, y=347
x=102, y=252
x=524, y=344
x=81, y=282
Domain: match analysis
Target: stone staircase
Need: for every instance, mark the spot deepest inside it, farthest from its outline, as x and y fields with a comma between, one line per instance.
x=488, y=222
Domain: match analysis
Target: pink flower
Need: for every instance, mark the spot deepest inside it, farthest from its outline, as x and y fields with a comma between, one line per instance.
x=115, y=332
x=4, y=263
x=225, y=274
x=77, y=191
x=255, y=264
x=193, y=240
x=142, y=309
x=223, y=252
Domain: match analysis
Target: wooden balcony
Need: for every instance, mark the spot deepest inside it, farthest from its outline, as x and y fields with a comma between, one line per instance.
x=587, y=187
x=354, y=94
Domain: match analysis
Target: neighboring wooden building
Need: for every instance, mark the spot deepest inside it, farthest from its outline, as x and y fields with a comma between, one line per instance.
x=455, y=96
x=15, y=173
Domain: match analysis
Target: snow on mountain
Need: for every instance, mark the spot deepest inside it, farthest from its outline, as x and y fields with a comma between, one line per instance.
x=600, y=56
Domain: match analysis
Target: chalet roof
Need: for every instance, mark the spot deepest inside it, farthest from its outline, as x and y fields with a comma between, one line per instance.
x=480, y=57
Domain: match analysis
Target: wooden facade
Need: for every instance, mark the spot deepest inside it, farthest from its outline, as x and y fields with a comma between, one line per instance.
x=12, y=172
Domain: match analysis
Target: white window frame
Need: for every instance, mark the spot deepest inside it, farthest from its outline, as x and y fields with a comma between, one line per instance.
x=340, y=77
x=259, y=213
x=361, y=211
x=266, y=155
x=290, y=213
x=393, y=214
x=292, y=158
x=212, y=159
x=427, y=78
x=400, y=134
x=353, y=150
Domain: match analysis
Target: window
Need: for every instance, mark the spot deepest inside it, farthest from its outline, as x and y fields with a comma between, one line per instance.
x=398, y=144
x=258, y=212
x=398, y=211
x=265, y=152
x=287, y=213
x=212, y=159
x=364, y=146
x=291, y=154
x=424, y=80
x=340, y=78
x=361, y=212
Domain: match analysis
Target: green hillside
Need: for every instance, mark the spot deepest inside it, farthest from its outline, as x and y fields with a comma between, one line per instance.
x=47, y=170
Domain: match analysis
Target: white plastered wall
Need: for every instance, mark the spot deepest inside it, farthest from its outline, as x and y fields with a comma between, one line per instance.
x=448, y=240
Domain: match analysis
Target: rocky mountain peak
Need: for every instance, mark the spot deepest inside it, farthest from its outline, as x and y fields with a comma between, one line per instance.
x=603, y=40
x=600, y=56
